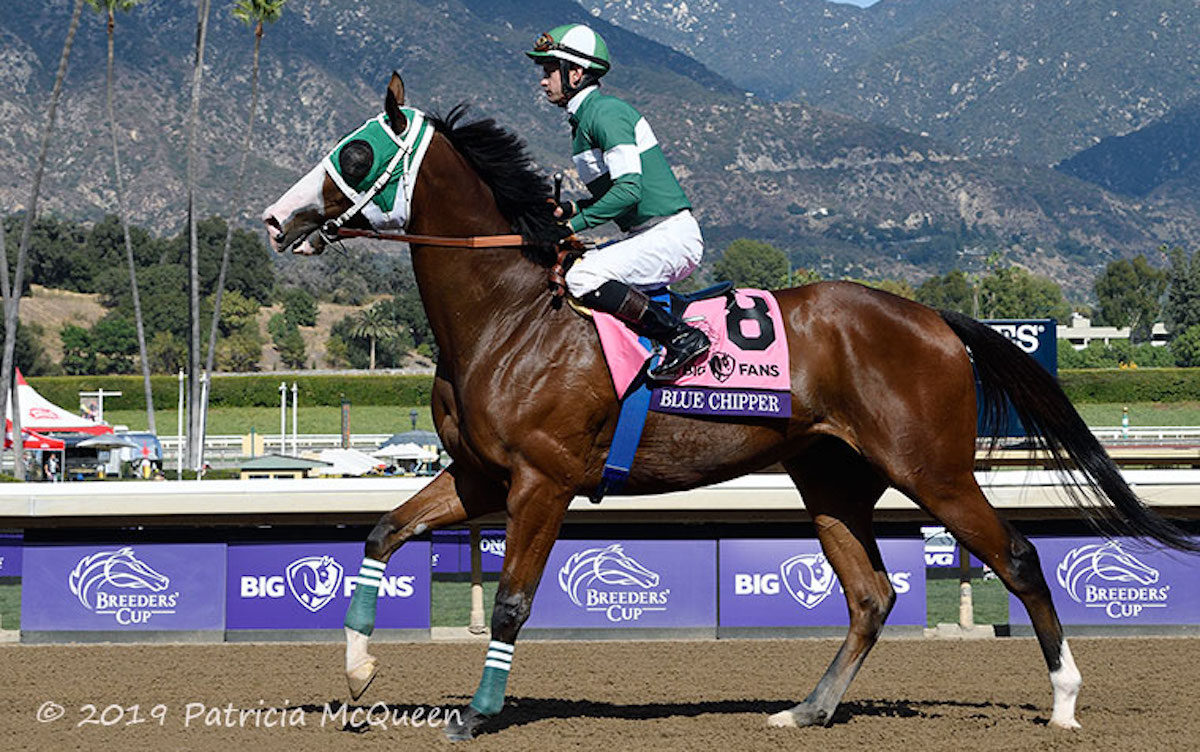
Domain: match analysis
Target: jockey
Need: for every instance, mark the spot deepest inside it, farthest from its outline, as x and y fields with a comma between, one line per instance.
x=630, y=182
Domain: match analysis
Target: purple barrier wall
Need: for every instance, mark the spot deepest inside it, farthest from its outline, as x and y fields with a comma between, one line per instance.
x=789, y=583
x=452, y=550
x=124, y=587
x=627, y=584
x=11, y=547
x=308, y=586
x=1122, y=581
x=445, y=551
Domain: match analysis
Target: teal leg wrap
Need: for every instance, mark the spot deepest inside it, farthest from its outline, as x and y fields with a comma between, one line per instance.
x=360, y=616
x=489, y=698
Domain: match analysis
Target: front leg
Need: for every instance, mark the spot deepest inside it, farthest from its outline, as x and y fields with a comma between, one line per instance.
x=535, y=512
x=454, y=495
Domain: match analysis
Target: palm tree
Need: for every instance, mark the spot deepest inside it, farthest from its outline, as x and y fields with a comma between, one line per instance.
x=110, y=8
x=194, y=412
x=12, y=295
x=255, y=13
x=374, y=324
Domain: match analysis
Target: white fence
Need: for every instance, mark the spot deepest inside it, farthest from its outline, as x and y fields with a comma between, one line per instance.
x=220, y=450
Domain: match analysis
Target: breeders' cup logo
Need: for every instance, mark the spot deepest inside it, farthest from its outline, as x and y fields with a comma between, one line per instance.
x=314, y=581
x=108, y=582
x=609, y=581
x=808, y=578
x=1105, y=576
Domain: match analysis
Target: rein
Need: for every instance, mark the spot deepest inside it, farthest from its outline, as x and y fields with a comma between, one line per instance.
x=556, y=280
x=473, y=241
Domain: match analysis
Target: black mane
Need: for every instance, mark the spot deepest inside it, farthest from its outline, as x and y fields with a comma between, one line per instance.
x=500, y=159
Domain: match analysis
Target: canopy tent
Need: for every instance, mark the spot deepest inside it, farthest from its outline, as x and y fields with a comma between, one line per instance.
x=33, y=440
x=348, y=462
x=40, y=415
x=405, y=452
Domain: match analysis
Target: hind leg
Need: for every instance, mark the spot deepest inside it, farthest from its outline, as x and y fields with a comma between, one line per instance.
x=961, y=506
x=840, y=490
x=455, y=495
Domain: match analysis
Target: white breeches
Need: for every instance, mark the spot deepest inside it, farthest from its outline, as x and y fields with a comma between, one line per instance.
x=665, y=253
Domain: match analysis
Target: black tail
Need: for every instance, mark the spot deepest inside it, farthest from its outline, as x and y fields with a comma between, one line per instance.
x=1004, y=371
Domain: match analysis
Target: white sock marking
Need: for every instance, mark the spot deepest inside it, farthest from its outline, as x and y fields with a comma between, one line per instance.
x=1066, y=681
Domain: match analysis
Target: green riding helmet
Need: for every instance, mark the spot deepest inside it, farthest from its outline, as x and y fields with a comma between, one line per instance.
x=574, y=43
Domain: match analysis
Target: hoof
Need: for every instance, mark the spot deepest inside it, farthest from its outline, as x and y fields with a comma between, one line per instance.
x=782, y=719
x=798, y=716
x=1070, y=724
x=466, y=728
x=361, y=677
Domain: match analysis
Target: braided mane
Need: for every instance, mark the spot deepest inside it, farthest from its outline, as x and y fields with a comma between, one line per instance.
x=502, y=162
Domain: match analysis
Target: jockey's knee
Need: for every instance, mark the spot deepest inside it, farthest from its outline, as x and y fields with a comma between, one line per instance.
x=581, y=281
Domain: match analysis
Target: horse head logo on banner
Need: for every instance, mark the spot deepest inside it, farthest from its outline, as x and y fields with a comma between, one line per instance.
x=119, y=568
x=314, y=580
x=808, y=578
x=609, y=565
x=1105, y=561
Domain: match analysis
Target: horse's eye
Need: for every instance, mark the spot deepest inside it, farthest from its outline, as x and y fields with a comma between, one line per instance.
x=354, y=161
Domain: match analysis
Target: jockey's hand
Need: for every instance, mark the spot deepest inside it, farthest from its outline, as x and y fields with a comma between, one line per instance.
x=561, y=232
x=565, y=210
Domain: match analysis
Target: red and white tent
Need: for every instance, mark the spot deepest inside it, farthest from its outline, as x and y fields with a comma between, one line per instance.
x=39, y=416
x=35, y=441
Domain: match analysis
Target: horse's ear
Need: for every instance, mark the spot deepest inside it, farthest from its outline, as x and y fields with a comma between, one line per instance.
x=392, y=103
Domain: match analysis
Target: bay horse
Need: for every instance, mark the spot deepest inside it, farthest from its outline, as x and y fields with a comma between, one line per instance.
x=883, y=394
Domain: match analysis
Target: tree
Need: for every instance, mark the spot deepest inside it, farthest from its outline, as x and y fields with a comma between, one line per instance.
x=1182, y=309
x=110, y=7
x=950, y=292
x=1129, y=295
x=290, y=345
x=240, y=352
x=195, y=416
x=1013, y=292
x=254, y=13
x=12, y=294
x=114, y=339
x=1186, y=347
x=299, y=307
x=29, y=354
x=750, y=263
x=374, y=324
x=238, y=313
x=167, y=353
x=79, y=357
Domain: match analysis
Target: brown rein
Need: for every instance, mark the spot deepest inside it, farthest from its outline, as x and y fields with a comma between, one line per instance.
x=474, y=241
x=556, y=274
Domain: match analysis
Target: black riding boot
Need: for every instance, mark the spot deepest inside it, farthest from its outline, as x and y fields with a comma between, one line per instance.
x=682, y=344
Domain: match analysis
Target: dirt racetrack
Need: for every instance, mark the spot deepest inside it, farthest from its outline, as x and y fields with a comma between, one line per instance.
x=912, y=695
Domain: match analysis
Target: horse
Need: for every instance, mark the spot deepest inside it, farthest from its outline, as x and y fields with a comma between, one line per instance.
x=883, y=394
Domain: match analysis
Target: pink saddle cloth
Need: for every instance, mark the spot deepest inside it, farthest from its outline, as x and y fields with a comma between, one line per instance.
x=744, y=373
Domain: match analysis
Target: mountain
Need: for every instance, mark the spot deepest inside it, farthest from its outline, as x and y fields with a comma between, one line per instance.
x=841, y=194
x=1160, y=159
x=774, y=48
x=1038, y=80
x=1035, y=80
